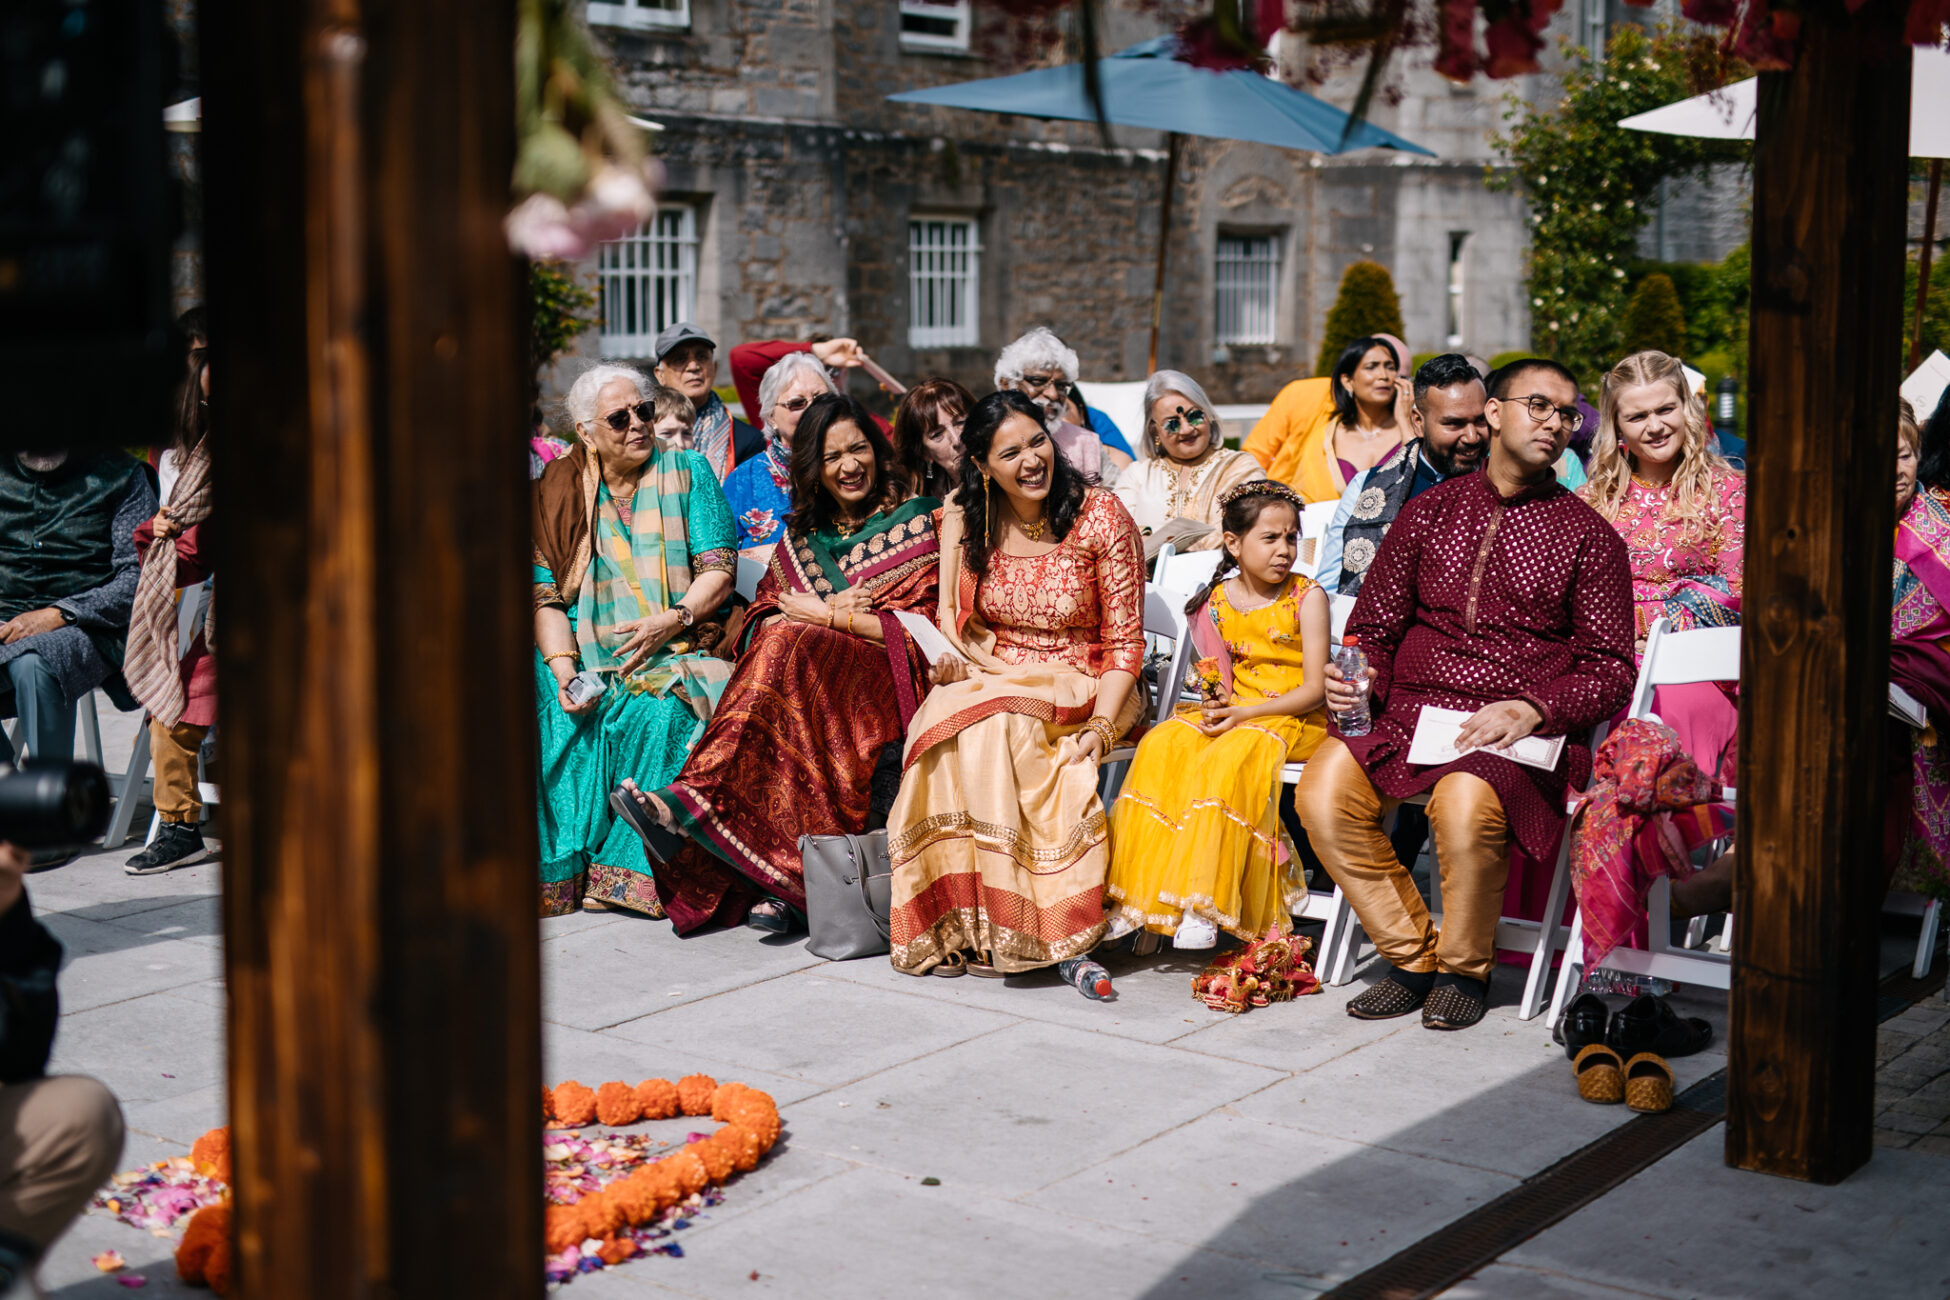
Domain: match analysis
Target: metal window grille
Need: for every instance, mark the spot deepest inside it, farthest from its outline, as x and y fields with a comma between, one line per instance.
x=640, y=13
x=649, y=281
x=1248, y=279
x=943, y=279
x=935, y=24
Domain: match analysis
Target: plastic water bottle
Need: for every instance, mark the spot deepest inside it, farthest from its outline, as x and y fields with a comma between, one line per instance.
x=1089, y=978
x=1353, y=663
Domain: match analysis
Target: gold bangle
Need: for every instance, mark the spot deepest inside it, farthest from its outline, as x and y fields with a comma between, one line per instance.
x=1106, y=731
x=849, y=622
x=561, y=654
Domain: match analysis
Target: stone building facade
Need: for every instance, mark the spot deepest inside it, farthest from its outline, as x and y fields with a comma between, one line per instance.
x=799, y=201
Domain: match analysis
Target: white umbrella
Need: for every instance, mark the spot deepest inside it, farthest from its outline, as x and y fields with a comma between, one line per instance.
x=1728, y=113
x=186, y=116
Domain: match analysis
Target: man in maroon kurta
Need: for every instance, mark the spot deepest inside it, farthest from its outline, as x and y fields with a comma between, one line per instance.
x=1501, y=594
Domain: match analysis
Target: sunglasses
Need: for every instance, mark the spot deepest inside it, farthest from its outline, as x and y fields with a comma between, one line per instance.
x=619, y=419
x=1194, y=419
x=1540, y=409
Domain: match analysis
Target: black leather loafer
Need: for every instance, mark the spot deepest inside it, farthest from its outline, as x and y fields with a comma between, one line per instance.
x=1454, y=1006
x=1582, y=1024
x=1385, y=1001
x=1647, y=1024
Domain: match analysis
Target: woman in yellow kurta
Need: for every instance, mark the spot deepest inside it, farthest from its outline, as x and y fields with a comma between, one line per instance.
x=1319, y=433
x=1195, y=834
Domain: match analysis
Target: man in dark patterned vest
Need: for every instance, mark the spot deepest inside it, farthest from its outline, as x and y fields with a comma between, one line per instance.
x=67, y=578
x=1450, y=435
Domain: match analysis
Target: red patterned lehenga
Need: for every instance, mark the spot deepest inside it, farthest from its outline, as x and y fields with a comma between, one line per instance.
x=792, y=746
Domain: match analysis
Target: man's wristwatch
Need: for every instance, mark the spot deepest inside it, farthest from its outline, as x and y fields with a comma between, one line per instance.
x=68, y=616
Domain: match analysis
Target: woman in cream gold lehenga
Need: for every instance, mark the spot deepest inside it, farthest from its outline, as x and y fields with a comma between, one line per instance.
x=998, y=840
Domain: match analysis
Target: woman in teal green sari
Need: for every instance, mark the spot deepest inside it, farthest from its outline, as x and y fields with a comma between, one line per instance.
x=633, y=552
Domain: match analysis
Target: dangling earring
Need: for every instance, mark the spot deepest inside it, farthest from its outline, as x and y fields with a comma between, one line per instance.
x=988, y=508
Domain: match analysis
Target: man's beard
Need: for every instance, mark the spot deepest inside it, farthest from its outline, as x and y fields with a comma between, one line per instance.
x=1447, y=463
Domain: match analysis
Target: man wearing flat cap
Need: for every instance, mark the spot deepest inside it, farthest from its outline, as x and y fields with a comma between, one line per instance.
x=687, y=361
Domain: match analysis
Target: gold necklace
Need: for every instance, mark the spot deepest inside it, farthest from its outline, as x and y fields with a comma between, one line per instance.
x=1034, y=531
x=844, y=528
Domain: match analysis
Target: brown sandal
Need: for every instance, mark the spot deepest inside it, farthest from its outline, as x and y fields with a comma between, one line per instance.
x=1648, y=1084
x=1601, y=1075
x=950, y=966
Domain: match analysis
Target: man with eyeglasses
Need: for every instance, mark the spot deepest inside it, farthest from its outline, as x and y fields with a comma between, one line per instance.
x=1042, y=368
x=1502, y=596
x=687, y=360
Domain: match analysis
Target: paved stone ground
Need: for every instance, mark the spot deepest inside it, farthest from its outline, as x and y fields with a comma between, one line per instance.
x=1913, y=1078
x=1146, y=1147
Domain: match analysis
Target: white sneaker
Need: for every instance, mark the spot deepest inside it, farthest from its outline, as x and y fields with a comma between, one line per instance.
x=1119, y=926
x=1195, y=933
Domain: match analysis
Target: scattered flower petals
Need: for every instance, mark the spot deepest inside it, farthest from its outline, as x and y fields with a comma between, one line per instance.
x=133, y=1281
x=110, y=1261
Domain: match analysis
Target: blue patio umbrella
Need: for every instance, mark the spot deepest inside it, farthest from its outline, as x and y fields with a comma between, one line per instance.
x=1148, y=85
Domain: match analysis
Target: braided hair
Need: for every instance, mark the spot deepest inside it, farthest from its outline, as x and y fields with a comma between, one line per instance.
x=1239, y=508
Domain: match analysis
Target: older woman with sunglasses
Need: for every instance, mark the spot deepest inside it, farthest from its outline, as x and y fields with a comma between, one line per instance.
x=633, y=556
x=760, y=490
x=1173, y=492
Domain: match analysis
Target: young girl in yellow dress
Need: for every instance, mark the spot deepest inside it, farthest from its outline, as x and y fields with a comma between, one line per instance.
x=1195, y=834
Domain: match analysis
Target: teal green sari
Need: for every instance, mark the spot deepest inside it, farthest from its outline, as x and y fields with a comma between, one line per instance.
x=646, y=723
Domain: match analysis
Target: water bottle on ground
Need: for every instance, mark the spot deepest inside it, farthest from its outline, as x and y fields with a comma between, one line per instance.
x=1089, y=978
x=1353, y=663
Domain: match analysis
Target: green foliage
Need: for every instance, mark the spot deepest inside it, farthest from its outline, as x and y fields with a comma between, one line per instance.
x=1590, y=185
x=563, y=308
x=1652, y=318
x=1936, y=308
x=1366, y=304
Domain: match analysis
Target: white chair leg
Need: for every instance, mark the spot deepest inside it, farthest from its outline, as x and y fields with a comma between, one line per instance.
x=131, y=791
x=1926, y=940
x=1540, y=960
x=91, y=729
x=1567, y=982
x=1347, y=944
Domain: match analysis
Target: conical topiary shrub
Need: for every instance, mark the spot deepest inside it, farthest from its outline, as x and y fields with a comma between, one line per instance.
x=1653, y=321
x=1367, y=304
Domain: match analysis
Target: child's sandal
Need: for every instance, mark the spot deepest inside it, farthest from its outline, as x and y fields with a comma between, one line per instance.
x=1600, y=1074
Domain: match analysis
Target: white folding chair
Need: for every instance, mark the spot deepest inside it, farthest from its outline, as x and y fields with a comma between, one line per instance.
x=134, y=786
x=1164, y=618
x=1182, y=574
x=749, y=573
x=1314, y=521
x=87, y=721
x=1672, y=658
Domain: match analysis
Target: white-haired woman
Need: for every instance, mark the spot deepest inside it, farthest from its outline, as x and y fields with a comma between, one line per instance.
x=633, y=556
x=1173, y=491
x=760, y=490
x=1043, y=368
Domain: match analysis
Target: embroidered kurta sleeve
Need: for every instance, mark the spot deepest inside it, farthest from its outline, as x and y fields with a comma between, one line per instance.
x=1119, y=551
x=1601, y=674
x=707, y=519
x=1732, y=545
x=1389, y=597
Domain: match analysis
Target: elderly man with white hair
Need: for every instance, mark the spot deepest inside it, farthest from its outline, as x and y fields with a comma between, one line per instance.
x=1173, y=492
x=760, y=490
x=1043, y=368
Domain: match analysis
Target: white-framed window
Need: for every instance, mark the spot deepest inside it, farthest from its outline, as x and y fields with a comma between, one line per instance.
x=1458, y=290
x=934, y=24
x=1247, y=274
x=944, y=265
x=640, y=13
x=649, y=281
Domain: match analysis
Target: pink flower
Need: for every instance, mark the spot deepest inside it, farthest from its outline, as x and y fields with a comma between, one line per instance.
x=539, y=228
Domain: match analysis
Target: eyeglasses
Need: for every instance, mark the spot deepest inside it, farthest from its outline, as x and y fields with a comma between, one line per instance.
x=1540, y=409
x=619, y=419
x=1194, y=419
x=1055, y=385
x=796, y=404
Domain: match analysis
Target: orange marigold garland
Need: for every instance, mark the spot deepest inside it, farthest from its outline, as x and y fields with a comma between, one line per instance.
x=603, y=1227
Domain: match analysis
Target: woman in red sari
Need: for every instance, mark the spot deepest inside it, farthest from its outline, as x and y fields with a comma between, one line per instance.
x=825, y=681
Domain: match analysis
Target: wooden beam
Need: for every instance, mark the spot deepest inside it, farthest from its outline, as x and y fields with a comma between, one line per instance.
x=1830, y=189
x=377, y=705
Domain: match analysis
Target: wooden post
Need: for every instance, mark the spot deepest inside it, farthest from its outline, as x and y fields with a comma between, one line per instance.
x=1830, y=193
x=369, y=403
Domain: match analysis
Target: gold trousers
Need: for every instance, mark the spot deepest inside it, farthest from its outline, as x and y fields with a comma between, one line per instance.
x=173, y=750
x=1343, y=813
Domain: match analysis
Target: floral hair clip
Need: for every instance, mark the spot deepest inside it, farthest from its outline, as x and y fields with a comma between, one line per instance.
x=1261, y=487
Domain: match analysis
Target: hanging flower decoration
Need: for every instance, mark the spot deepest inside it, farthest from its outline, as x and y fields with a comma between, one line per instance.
x=581, y=172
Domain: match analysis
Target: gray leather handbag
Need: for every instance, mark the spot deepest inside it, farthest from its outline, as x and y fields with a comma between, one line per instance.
x=849, y=887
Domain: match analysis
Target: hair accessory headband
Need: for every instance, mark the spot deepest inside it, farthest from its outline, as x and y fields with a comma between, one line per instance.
x=1261, y=487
